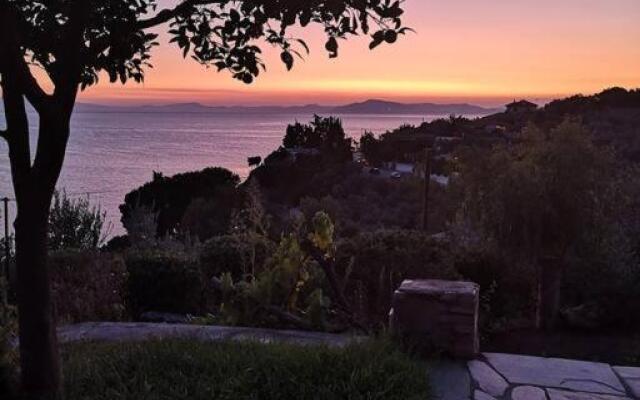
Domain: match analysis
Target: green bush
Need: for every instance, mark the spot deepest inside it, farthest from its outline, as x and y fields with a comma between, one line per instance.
x=606, y=280
x=238, y=255
x=287, y=293
x=373, y=265
x=168, y=198
x=88, y=285
x=76, y=224
x=507, y=290
x=231, y=370
x=164, y=282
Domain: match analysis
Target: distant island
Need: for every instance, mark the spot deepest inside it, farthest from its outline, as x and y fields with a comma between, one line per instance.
x=365, y=107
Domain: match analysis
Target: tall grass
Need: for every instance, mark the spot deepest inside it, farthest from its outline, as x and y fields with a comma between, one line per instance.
x=231, y=370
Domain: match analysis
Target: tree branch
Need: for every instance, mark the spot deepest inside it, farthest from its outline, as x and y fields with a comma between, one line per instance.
x=170, y=13
x=32, y=90
x=70, y=58
x=18, y=124
x=12, y=63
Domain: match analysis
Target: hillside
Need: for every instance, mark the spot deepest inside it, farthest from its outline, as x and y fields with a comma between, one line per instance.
x=366, y=107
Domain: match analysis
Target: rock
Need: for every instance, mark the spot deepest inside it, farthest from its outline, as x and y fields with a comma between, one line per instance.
x=631, y=377
x=450, y=381
x=555, y=372
x=440, y=314
x=480, y=395
x=557, y=394
x=487, y=379
x=438, y=288
x=628, y=372
x=168, y=318
x=528, y=393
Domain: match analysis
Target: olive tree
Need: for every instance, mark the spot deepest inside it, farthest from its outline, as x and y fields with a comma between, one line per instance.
x=74, y=42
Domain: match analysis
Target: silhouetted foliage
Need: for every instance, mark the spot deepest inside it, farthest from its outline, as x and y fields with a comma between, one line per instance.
x=324, y=135
x=201, y=202
x=407, y=143
x=208, y=217
x=615, y=97
x=360, y=203
x=537, y=197
x=371, y=149
x=75, y=224
x=313, y=157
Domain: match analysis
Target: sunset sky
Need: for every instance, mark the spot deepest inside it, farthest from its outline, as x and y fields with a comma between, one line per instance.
x=478, y=51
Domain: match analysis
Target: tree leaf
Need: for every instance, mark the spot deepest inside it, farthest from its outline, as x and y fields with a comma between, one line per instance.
x=287, y=59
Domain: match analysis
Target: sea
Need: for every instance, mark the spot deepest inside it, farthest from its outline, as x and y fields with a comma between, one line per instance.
x=110, y=154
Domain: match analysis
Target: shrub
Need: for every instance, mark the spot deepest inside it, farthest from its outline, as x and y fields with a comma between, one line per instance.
x=88, y=285
x=373, y=265
x=8, y=355
x=286, y=293
x=360, y=203
x=164, y=282
x=507, y=290
x=290, y=290
x=604, y=277
x=205, y=218
x=75, y=224
x=170, y=197
x=238, y=255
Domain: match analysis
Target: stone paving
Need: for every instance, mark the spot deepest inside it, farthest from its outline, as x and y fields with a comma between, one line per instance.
x=515, y=377
x=140, y=331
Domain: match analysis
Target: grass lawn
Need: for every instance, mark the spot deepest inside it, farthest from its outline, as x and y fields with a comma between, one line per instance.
x=230, y=370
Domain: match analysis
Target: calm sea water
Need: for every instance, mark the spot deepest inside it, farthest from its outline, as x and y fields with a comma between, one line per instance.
x=110, y=154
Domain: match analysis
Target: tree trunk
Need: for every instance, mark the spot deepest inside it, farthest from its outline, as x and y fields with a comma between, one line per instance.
x=34, y=183
x=39, y=358
x=548, y=293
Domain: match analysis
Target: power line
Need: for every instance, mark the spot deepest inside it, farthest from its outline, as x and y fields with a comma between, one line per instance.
x=79, y=193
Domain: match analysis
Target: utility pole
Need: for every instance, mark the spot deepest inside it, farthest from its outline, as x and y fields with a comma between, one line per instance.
x=427, y=183
x=7, y=253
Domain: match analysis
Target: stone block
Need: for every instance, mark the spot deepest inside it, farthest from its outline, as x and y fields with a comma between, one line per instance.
x=443, y=312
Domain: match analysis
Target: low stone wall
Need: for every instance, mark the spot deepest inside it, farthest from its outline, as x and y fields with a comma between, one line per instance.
x=440, y=314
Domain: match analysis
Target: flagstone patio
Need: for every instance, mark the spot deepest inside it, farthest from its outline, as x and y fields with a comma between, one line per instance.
x=518, y=377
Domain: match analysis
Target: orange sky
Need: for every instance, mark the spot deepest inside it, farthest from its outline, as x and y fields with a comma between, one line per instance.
x=481, y=51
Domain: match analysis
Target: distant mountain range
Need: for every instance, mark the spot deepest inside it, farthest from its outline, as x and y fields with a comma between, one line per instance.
x=366, y=107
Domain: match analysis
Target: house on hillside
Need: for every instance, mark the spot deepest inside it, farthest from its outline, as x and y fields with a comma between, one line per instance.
x=521, y=106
